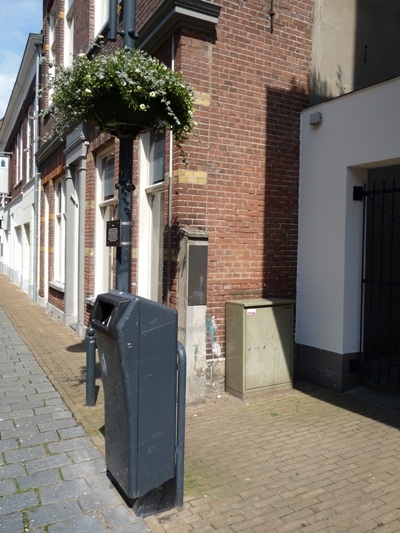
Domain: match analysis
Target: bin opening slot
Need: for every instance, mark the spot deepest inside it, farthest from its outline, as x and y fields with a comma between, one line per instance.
x=104, y=313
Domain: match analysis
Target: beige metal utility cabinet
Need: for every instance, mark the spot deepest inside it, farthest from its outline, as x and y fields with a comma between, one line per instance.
x=259, y=345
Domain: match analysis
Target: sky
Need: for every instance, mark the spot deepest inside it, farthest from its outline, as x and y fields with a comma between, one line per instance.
x=18, y=18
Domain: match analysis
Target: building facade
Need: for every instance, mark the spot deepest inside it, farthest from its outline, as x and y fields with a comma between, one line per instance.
x=347, y=288
x=19, y=195
x=222, y=227
x=355, y=46
x=348, y=263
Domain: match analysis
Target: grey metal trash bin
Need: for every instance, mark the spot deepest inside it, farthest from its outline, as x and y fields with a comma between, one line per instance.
x=137, y=347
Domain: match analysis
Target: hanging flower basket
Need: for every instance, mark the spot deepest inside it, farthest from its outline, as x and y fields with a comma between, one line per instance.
x=121, y=92
x=114, y=116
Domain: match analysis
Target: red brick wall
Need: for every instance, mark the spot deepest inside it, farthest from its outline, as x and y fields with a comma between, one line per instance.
x=144, y=9
x=51, y=170
x=83, y=25
x=257, y=83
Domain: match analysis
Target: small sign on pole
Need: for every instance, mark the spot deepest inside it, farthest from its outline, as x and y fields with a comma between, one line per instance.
x=113, y=237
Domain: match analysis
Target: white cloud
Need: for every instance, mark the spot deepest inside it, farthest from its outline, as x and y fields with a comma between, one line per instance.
x=18, y=19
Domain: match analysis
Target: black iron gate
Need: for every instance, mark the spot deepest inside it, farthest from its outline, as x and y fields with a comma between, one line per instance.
x=380, y=300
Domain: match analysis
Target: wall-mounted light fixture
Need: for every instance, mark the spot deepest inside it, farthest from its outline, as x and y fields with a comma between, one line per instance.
x=315, y=119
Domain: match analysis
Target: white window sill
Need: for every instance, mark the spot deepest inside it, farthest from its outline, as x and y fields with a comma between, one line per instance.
x=56, y=285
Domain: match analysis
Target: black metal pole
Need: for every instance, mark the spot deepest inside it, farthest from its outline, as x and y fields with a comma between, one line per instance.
x=112, y=20
x=125, y=185
x=180, y=431
x=90, y=367
x=125, y=188
x=129, y=23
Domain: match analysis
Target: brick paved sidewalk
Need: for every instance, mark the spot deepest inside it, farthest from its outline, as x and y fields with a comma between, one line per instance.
x=60, y=353
x=52, y=478
x=302, y=460
x=306, y=460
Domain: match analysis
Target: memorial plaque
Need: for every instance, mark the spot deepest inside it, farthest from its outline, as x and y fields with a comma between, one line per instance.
x=113, y=237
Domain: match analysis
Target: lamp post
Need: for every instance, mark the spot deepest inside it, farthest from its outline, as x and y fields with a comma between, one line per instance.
x=125, y=184
x=159, y=498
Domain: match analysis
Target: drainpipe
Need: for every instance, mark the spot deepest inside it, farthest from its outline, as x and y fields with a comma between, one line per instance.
x=129, y=33
x=36, y=205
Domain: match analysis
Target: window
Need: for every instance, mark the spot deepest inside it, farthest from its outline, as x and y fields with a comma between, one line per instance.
x=151, y=216
x=156, y=238
x=52, y=33
x=100, y=15
x=27, y=148
x=16, y=168
x=19, y=158
x=68, y=32
x=105, y=255
x=59, y=232
x=52, y=45
x=107, y=170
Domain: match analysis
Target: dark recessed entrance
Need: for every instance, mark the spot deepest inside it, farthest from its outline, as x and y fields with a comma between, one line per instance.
x=380, y=327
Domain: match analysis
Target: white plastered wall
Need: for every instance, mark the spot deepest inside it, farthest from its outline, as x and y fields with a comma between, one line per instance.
x=359, y=131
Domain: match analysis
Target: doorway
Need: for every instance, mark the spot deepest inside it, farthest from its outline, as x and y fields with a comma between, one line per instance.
x=380, y=331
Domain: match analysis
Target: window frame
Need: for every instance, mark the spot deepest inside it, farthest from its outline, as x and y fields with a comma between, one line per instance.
x=59, y=233
x=105, y=256
x=101, y=8
x=52, y=49
x=151, y=217
x=69, y=24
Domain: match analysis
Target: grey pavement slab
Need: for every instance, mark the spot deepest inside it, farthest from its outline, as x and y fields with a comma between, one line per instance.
x=52, y=478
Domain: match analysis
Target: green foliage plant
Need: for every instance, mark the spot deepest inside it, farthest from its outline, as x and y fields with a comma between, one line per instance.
x=142, y=82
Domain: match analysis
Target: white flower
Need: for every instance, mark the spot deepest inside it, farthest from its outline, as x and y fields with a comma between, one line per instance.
x=137, y=76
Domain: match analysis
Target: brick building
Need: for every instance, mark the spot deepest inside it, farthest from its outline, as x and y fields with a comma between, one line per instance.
x=229, y=216
x=224, y=226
